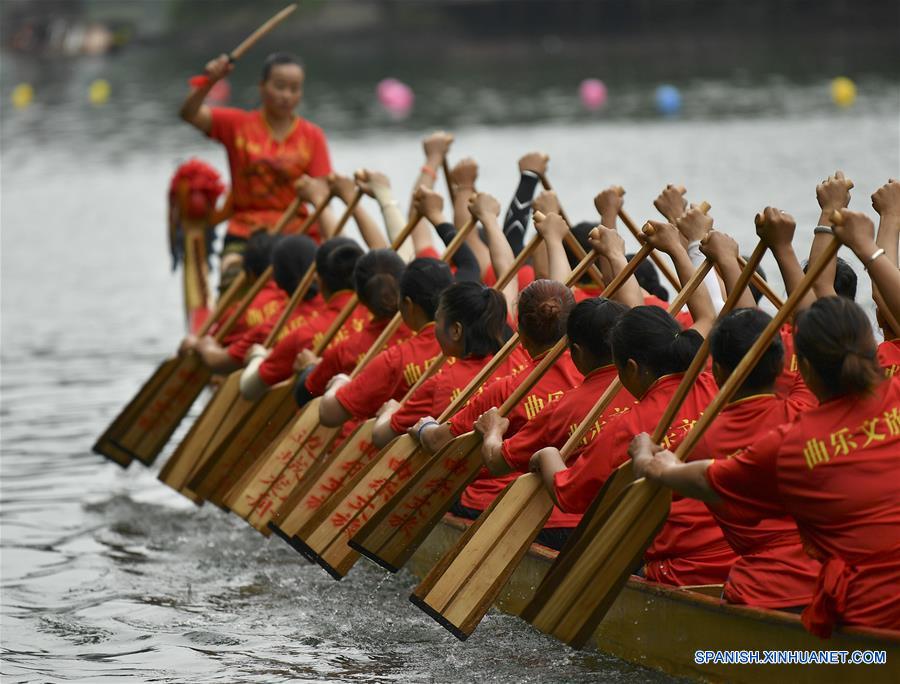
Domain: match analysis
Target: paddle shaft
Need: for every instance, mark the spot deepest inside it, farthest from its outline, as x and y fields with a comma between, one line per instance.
x=260, y=33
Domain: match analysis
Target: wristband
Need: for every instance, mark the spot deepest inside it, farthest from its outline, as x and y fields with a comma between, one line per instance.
x=878, y=252
x=429, y=171
x=823, y=230
x=423, y=426
x=199, y=81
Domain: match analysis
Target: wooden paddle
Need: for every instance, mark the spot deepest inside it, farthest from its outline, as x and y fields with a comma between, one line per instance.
x=460, y=589
x=253, y=424
x=570, y=605
x=189, y=451
x=394, y=532
x=330, y=470
x=252, y=492
x=260, y=33
x=322, y=537
x=171, y=390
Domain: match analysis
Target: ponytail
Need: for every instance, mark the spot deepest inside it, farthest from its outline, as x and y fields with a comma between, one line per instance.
x=835, y=338
x=482, y=313
x=652, y=339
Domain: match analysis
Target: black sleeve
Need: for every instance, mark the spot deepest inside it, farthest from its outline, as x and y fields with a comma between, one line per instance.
x=467, y=268
x=519, y=213
x=303, y=396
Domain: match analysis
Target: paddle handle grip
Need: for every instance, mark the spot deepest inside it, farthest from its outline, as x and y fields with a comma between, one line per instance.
x=260, y=33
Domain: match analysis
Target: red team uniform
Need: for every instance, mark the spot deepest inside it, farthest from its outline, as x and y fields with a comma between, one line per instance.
x=304, y=312
x=834, y=470
x=263, y=170
x=268, y=302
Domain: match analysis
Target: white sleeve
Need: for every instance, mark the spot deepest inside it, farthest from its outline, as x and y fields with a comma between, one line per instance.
x=712, y=278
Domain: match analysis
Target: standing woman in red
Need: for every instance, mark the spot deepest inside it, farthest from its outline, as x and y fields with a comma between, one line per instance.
x=834, y=468
x=268, y=148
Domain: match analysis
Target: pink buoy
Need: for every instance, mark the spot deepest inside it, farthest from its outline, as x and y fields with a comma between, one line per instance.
x=592, y=93
x=396, y=97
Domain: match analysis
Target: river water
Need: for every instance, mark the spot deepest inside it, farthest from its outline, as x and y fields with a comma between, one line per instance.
x=107, y=574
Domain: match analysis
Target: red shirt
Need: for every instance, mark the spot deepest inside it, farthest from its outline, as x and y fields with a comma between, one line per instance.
x=889, y=357
x=524, y=276
x=559, y=378
x=346, y=354
x=834, y=469
x=268, y=301
x=279, y=364
x=306, y=310
x=437, y=392
x=390, y=374
x=263, y=169
x=772, y=570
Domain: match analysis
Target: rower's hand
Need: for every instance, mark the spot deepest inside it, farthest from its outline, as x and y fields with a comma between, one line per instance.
x=833, y=194
x=536, y=162
x=424, y=423
x=464, y=174
x=388, y=407
x=776, y=228
x=337, y=382
x=436, y=147
x=694, y=225
x=343, y=187
x=484, y=206
x=305, y=359
x=218, y=68
x=549, y=454
x=647, y=456
x=429, y=204
x=606, y=241
x=719, y=247
x=547, y=203
x=886, y=199
x=609, y=202
x=312, y=190
x=491, y=422
x=551, y=226
x=670, y=202
x=372, y=182
x=187, y=345
x=663, y=236
x=857, y=232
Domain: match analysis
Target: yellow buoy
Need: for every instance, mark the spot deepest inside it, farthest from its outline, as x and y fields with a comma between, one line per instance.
x=843, y=91
x=98, y=93
x=22, y=95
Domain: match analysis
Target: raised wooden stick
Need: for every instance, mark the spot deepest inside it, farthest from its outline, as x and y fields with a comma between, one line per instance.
x=260, y=33
x=461, y=588
x=393, y=533
x=571, y=608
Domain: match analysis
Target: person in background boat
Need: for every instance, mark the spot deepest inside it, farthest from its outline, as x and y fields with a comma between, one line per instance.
x=268, y=148
x=376, y=279
x=291, y=258
x=651, y=354
x=335, y=260
x=507, y=451
x=833, y=469
x=395, y=370
x=270, y=299
x=886, y=201
x=471, y=326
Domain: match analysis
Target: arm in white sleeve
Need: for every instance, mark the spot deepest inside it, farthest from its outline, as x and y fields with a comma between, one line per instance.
x=394, y=221
x=711, y=280
x=252, y=386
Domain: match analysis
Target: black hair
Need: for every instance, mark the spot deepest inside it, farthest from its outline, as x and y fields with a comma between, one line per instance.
x=543, y=310
x=376, y=279
x=757, y=294
x=731, y=339
x=423, y=281
x=590, y=326
x=648, y=278
x=278, y=59
x=654, y=340
x=581, y=232
x=335, y=261
x=845, y=279
x=482, y=313
x=292, y=256
x=834, y=335
x=258, y=252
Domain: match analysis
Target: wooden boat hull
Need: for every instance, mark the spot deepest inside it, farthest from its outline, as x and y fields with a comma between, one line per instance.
x=662, y=627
